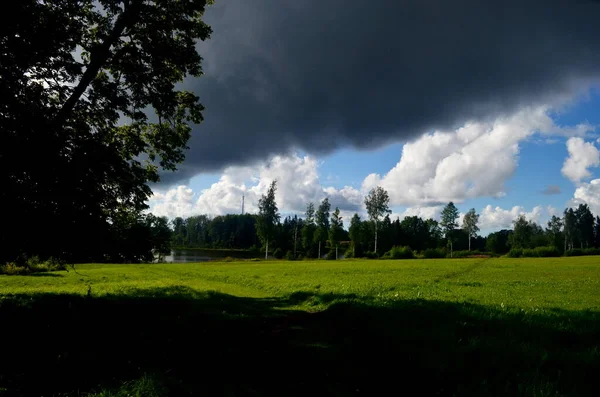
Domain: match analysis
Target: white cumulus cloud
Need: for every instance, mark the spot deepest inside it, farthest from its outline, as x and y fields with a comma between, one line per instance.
x=496, y=218
x=588, y=193
x=473, y=161
x=582, y=155
x=297, y=184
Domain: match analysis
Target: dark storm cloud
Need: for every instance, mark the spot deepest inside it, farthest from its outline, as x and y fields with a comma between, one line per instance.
x=551, y=189
x=323, y=74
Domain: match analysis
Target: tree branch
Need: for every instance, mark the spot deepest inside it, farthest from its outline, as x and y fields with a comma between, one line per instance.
x=98, y=58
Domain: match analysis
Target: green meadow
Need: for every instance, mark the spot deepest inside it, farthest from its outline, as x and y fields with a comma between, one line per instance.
x=485, y=326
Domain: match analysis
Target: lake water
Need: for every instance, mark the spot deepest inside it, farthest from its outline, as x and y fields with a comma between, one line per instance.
x=187, y=256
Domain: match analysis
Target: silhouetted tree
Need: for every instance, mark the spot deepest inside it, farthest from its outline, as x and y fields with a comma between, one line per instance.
x=597, y=232
x=355, y=231
x=336, y=230
x=449, y=224
x=570, y=228
x=499, y=242
x=555, y=233
x=585, y=225
x=308, y=230
x=322, y=221
x=268, y=217
x=99, y=126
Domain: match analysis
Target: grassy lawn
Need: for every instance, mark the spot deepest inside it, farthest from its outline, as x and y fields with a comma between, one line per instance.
x=444, y=327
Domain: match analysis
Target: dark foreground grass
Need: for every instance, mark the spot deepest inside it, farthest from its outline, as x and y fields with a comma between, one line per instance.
x=177, y=341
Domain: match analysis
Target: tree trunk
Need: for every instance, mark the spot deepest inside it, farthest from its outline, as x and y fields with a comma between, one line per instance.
x=336, y=252
x=267, y=250
x=319, y=254
x=469, y=242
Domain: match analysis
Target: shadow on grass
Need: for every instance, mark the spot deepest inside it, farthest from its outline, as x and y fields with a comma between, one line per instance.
x=219, y=345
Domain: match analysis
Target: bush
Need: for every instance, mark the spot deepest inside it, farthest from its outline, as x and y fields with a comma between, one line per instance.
x=469, y=254
x=278, y=253
x=13, y=269
x=146, y=386
x=541, y=252
x=581, y=252
x=32, y=265
x=537, y=252
x=399, y=253
x=349, y=253
x=463, y=254
x=289, y=256
x=330, y=255
x=515, y=253
x=591, y=251
x=433, y=253
x=574, y=252
x=370, y=255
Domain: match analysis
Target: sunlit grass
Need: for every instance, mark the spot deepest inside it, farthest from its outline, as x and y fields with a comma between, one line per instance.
x=528, y=283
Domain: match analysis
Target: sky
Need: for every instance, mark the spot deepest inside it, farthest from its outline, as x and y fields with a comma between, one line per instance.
x=492, y=105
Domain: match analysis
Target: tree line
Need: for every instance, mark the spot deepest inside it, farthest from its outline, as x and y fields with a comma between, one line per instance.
x=320, y=232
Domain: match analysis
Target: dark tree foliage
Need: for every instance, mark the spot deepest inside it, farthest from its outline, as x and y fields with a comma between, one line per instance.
x=585, y=226
x=268, y=217
x=137, y=238
x=597, y=232
x=224, y=231
x=79, y=80
x=498, y=242
x=308, y=232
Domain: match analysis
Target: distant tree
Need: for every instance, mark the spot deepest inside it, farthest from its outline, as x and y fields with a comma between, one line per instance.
x=449, y=223
x=136, y=238
x=160, y=235
x=526, y=234
x=322, y=221
x=268, y=217
x=434, y=233
x=336, y=230
x=499, y=242
x=554, y=231
x=385, y=240
x=308, y=230
x=355, y=232
x=414, y=232
x=570, y=228
x=377, y=203
x=469, y=225
x=585, y=225
x=597, y=232
x=521, y=232
x=179, y=232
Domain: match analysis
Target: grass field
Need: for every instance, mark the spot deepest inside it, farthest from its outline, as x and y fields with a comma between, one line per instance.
x=443, y=327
